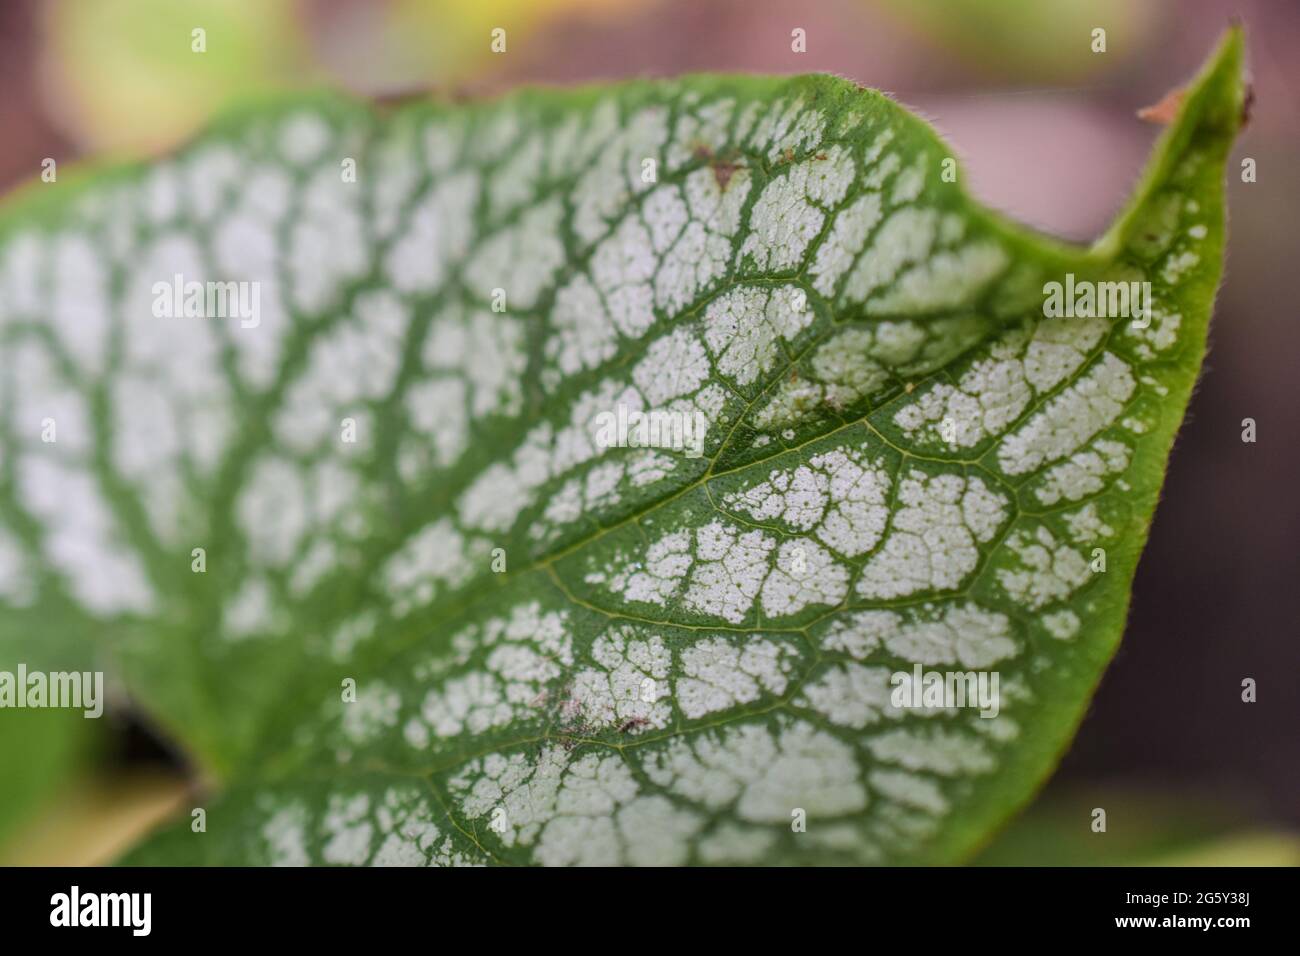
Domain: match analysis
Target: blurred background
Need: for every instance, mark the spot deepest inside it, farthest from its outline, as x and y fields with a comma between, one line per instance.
x=1187, y=772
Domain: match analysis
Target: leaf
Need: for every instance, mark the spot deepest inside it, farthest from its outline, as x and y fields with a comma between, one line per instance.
x=565, y=652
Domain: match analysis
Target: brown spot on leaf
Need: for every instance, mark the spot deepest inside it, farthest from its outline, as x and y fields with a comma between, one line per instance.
x=633, y=723
x=723, y=169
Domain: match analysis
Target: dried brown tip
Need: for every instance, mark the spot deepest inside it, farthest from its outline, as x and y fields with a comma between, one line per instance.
x=1164, y=111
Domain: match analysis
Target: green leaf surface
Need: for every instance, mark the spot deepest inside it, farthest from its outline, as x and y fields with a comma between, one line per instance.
x=563, y=651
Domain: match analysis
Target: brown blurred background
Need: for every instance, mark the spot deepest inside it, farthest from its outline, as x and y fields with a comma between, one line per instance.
x=1047, y=132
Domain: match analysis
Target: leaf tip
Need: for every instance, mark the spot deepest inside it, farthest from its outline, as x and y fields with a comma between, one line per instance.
x=1209, y=111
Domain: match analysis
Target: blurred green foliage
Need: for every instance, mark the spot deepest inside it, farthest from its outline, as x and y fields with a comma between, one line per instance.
x=1043, y=41
x=124, y=75
x=1153, y=828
